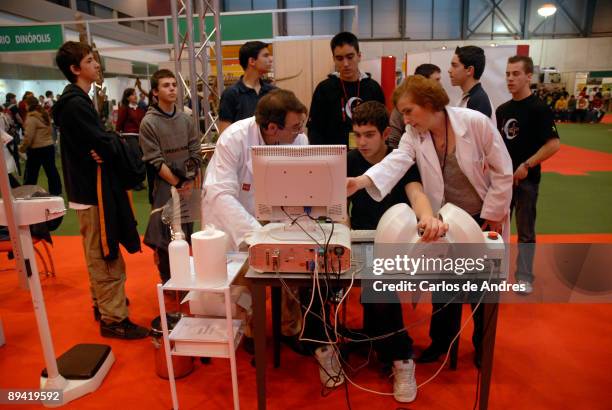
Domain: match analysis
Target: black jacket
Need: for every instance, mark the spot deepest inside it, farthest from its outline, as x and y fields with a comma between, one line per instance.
x=330, y=111
x=81, y=131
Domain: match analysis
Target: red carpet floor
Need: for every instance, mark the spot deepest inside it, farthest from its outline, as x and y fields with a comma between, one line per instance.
x=554, y=356
x=578, y=161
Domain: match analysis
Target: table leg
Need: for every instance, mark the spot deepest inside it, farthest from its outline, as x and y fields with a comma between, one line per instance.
x=488, y=348
x=276, y=324
x=259, y=329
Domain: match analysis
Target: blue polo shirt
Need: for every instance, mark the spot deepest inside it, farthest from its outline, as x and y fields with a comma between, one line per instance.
x=239, y=101
x=478, y=100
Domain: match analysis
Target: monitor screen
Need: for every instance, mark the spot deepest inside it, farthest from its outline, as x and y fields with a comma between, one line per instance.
x=290, y=181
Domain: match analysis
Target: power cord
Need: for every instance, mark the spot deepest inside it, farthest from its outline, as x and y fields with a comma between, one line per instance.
x=317, y=288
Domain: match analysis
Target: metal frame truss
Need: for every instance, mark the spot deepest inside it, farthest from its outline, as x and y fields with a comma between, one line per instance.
x=199, y=51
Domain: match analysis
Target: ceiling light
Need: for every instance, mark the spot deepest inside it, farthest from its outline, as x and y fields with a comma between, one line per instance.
x=547, y=10
x=444, y=47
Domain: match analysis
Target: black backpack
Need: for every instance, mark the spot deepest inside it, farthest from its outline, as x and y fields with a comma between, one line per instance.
x=129, y=165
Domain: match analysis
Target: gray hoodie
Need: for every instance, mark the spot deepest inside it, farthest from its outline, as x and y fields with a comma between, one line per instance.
x=168, y=139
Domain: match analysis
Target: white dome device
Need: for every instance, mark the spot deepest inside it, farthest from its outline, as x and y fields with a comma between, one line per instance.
x=399, y=226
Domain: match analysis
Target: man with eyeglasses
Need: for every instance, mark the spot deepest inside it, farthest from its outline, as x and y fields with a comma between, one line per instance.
x=229, y=200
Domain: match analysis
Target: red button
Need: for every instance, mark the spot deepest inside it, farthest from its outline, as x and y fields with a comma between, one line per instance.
x=493, y=235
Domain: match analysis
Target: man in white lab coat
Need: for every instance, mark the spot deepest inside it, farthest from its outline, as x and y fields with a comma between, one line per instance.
x=228, y=197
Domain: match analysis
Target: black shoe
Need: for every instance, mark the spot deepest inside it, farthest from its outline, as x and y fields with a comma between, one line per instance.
x=431, y=354
x=123, y=330
x=98, y=316
x=296, y=345
x=248, y=344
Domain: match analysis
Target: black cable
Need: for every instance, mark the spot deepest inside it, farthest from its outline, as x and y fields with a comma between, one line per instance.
x=326, y=241
x=294, y=221
x=325, y=255
x=326, y=250
x=316, y=220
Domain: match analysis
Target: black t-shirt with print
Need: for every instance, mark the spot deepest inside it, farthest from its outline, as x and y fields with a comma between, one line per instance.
x=366, y=212
x=333, y=101
x=525, y=125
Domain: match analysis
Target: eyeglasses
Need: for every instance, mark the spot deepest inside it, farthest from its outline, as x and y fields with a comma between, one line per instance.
x=296, y=129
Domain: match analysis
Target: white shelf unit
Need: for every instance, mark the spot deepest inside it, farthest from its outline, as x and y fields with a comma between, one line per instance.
x=202, y=336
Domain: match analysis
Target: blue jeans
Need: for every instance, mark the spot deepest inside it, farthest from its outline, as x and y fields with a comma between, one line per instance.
x=524, y=199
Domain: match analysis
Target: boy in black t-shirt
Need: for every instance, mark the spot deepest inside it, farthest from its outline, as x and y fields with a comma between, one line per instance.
x=335, y=98
x=370, y=126
x=528, y=128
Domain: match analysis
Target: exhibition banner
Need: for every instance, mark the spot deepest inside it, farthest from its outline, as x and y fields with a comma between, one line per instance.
x=31, y=38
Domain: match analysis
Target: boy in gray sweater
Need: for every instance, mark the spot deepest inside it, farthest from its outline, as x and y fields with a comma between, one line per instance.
x=168, y=143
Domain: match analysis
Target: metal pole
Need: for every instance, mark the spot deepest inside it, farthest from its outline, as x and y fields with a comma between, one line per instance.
x=193, y=77
x=177, y=52
x=95, y=99
x=204, y=61
x=218, y=49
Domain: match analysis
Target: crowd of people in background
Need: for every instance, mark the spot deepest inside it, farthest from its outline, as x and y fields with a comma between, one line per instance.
x=587, y=106
x=33, y=137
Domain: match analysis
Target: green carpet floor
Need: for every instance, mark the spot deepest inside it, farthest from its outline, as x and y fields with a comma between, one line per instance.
x=567, y=204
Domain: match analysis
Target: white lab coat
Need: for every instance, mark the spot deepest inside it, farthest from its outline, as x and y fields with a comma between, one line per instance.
x=228, y=198
x=481, y=155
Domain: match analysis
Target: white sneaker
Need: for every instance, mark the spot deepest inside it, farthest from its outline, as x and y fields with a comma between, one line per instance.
x=526, y=286
x=330, y=371
x=404, y=383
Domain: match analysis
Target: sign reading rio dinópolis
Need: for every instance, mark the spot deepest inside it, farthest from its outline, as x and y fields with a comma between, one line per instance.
x=31, y=38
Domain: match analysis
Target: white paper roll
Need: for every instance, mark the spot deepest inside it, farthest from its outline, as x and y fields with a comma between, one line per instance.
x=209, y=256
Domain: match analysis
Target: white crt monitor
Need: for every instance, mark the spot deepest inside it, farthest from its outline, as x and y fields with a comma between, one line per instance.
x=293, y=180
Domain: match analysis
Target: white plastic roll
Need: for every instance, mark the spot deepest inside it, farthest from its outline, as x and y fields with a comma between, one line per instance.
x=209, y=256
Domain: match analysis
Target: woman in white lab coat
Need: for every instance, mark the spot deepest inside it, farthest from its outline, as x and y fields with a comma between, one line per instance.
x=461, y=157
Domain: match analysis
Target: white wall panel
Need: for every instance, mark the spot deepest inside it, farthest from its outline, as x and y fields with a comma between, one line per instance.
x=582, y=54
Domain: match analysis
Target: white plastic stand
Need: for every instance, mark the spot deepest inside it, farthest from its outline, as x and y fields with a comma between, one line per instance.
x=18, y=215
x=204, y=337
